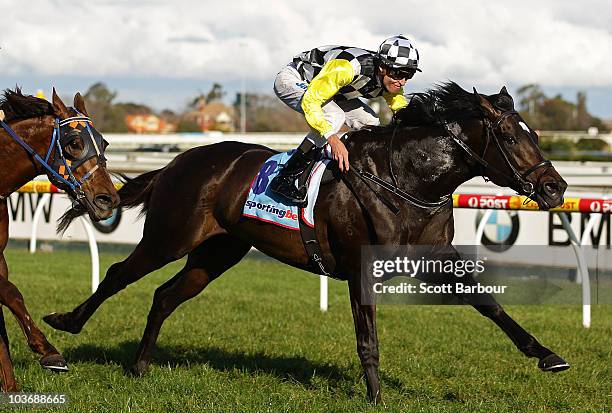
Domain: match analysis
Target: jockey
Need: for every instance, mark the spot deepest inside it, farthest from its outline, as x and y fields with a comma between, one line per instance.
x=327, y=85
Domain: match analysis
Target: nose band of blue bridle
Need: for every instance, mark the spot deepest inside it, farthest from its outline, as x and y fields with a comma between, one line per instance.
x=61, y=131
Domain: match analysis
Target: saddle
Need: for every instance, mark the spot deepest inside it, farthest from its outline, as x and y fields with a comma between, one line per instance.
x=263, y=205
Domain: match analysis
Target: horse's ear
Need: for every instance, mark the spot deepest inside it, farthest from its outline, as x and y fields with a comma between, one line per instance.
x=488, y=108
x=476, y=96
x=58, y=106
x=79, y=104
x=503, y=91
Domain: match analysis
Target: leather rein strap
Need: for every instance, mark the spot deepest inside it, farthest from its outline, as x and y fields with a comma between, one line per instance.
x=393, y=187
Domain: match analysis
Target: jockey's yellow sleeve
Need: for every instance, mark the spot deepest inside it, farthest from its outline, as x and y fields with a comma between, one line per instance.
x=396, y=101
x=334, y=75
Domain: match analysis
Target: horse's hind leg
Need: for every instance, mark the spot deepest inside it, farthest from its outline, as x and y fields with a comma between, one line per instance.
x=146, y=258
x=209, y=260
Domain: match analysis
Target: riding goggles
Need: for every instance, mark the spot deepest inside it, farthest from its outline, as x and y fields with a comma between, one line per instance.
x=400, y=74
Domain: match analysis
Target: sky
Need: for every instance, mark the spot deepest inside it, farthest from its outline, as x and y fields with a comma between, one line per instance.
x=163, y=53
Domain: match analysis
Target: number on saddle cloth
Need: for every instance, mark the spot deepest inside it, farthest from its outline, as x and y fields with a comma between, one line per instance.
x=261, y=183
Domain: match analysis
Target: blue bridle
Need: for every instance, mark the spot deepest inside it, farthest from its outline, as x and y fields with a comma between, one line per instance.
x=68, y=181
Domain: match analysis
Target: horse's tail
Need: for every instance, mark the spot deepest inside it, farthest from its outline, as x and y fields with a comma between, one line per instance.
x=135, y=191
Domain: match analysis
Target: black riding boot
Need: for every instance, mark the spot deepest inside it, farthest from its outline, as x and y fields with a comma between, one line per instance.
x=292, y=173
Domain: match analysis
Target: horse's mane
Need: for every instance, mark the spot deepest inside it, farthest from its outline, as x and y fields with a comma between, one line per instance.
x=18, y=106
x=447, y=102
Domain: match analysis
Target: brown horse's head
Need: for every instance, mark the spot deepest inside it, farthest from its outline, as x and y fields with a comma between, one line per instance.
x=511, y=149
x=78, y=158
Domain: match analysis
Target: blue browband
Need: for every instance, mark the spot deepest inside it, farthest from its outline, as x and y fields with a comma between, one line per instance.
x=73, y=183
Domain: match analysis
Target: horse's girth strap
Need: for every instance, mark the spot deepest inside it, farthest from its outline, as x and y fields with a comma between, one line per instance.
x=312, y=246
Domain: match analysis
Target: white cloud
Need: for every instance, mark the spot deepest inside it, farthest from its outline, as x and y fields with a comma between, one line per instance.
x=556, y=43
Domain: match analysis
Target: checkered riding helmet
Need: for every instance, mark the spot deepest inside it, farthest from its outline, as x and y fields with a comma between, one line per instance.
x=398, y=52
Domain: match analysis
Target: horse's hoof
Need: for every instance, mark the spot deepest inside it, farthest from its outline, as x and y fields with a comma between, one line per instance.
x=54, y=362
x=553, y=363
x=375, y=399
x=10, y=388
x=139, y=368
x=60, y=321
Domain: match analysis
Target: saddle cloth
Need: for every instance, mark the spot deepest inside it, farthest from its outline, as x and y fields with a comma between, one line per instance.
x=263, y=205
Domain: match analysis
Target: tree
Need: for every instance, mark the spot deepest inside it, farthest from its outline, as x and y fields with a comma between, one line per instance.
x=169, y=116
x=98, y=94
x=531, y=98
x=555, y=113
x=583, y=120
x=216, y=92
x=99, y=103
x=188, y=126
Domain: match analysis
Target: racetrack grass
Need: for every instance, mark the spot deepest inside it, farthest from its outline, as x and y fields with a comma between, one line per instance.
x=255, y=341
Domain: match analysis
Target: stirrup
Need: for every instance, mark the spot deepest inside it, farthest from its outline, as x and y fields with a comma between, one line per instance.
x=284, y=186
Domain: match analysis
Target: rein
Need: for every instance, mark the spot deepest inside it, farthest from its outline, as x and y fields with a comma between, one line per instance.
x=393, y=186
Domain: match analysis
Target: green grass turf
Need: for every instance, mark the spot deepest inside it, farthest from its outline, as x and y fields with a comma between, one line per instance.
x=255, y=341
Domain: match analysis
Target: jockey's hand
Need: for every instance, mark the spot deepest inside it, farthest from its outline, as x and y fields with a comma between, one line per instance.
x=339, y=152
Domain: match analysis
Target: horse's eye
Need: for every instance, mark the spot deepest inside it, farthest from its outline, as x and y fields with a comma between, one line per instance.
x=74, y=147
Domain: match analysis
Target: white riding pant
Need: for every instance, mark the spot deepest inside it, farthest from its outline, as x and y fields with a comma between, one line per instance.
x=290, y=88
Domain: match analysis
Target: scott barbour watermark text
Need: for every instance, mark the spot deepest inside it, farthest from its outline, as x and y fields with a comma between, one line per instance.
x=425, y=288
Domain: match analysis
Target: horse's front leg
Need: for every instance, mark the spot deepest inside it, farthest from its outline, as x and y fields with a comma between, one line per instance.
x=364, y=317
x=13, y=300
x=487, y=306
x=525, y=342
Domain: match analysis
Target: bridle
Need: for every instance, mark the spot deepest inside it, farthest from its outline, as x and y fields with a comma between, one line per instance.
x=58, y=168
x=489, y=130
x=519, y=179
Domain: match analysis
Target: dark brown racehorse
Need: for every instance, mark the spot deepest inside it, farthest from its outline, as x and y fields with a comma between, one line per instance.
x=33, y=134
x=445, y=137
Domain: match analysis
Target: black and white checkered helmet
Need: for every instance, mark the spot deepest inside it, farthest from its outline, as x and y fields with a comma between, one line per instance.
x=398, y=52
